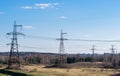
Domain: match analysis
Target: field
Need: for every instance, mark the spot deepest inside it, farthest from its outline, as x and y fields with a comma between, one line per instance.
x=68, y=72
x=39, y=70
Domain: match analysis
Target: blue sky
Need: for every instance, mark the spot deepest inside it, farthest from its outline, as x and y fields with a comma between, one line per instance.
x=81, y=19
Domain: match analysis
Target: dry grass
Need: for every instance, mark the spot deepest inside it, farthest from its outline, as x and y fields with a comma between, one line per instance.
x=38, y=70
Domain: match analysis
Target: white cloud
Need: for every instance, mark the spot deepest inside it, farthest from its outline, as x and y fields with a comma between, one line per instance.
x=63, y=17
x=41, y=6
x=26, y=7
x=55, y=4
x=28, y=27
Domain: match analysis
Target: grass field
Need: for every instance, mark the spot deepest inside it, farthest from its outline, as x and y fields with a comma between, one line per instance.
x=39, y=70
x=36, y=70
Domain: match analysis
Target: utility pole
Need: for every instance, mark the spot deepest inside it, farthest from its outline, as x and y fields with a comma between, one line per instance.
x=93, y=52
x=62, y=56
x=14, y=58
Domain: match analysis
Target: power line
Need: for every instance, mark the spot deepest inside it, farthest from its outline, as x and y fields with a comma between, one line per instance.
x=40, y=37
x=32, y=47
x=94, y=40
x=84, y=40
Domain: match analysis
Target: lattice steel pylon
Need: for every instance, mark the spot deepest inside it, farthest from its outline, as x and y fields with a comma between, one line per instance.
x=93, y=52
x=112, y=49
x=62, y=56
x=14, y=58
x=114, y=57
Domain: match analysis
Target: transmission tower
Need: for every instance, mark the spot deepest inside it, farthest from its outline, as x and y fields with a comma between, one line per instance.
x=93, y=52
x=112, y=49
x=14, y=59
x=62, y=56
x=113, y=58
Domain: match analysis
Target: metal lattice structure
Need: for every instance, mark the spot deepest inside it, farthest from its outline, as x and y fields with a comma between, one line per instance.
x=14, y=58
x=112, y=49
x=113, y=56
x=62, y=56
x=93, y=52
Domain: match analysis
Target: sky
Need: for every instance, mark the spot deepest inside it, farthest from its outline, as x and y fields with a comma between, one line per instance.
x=80, y=19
